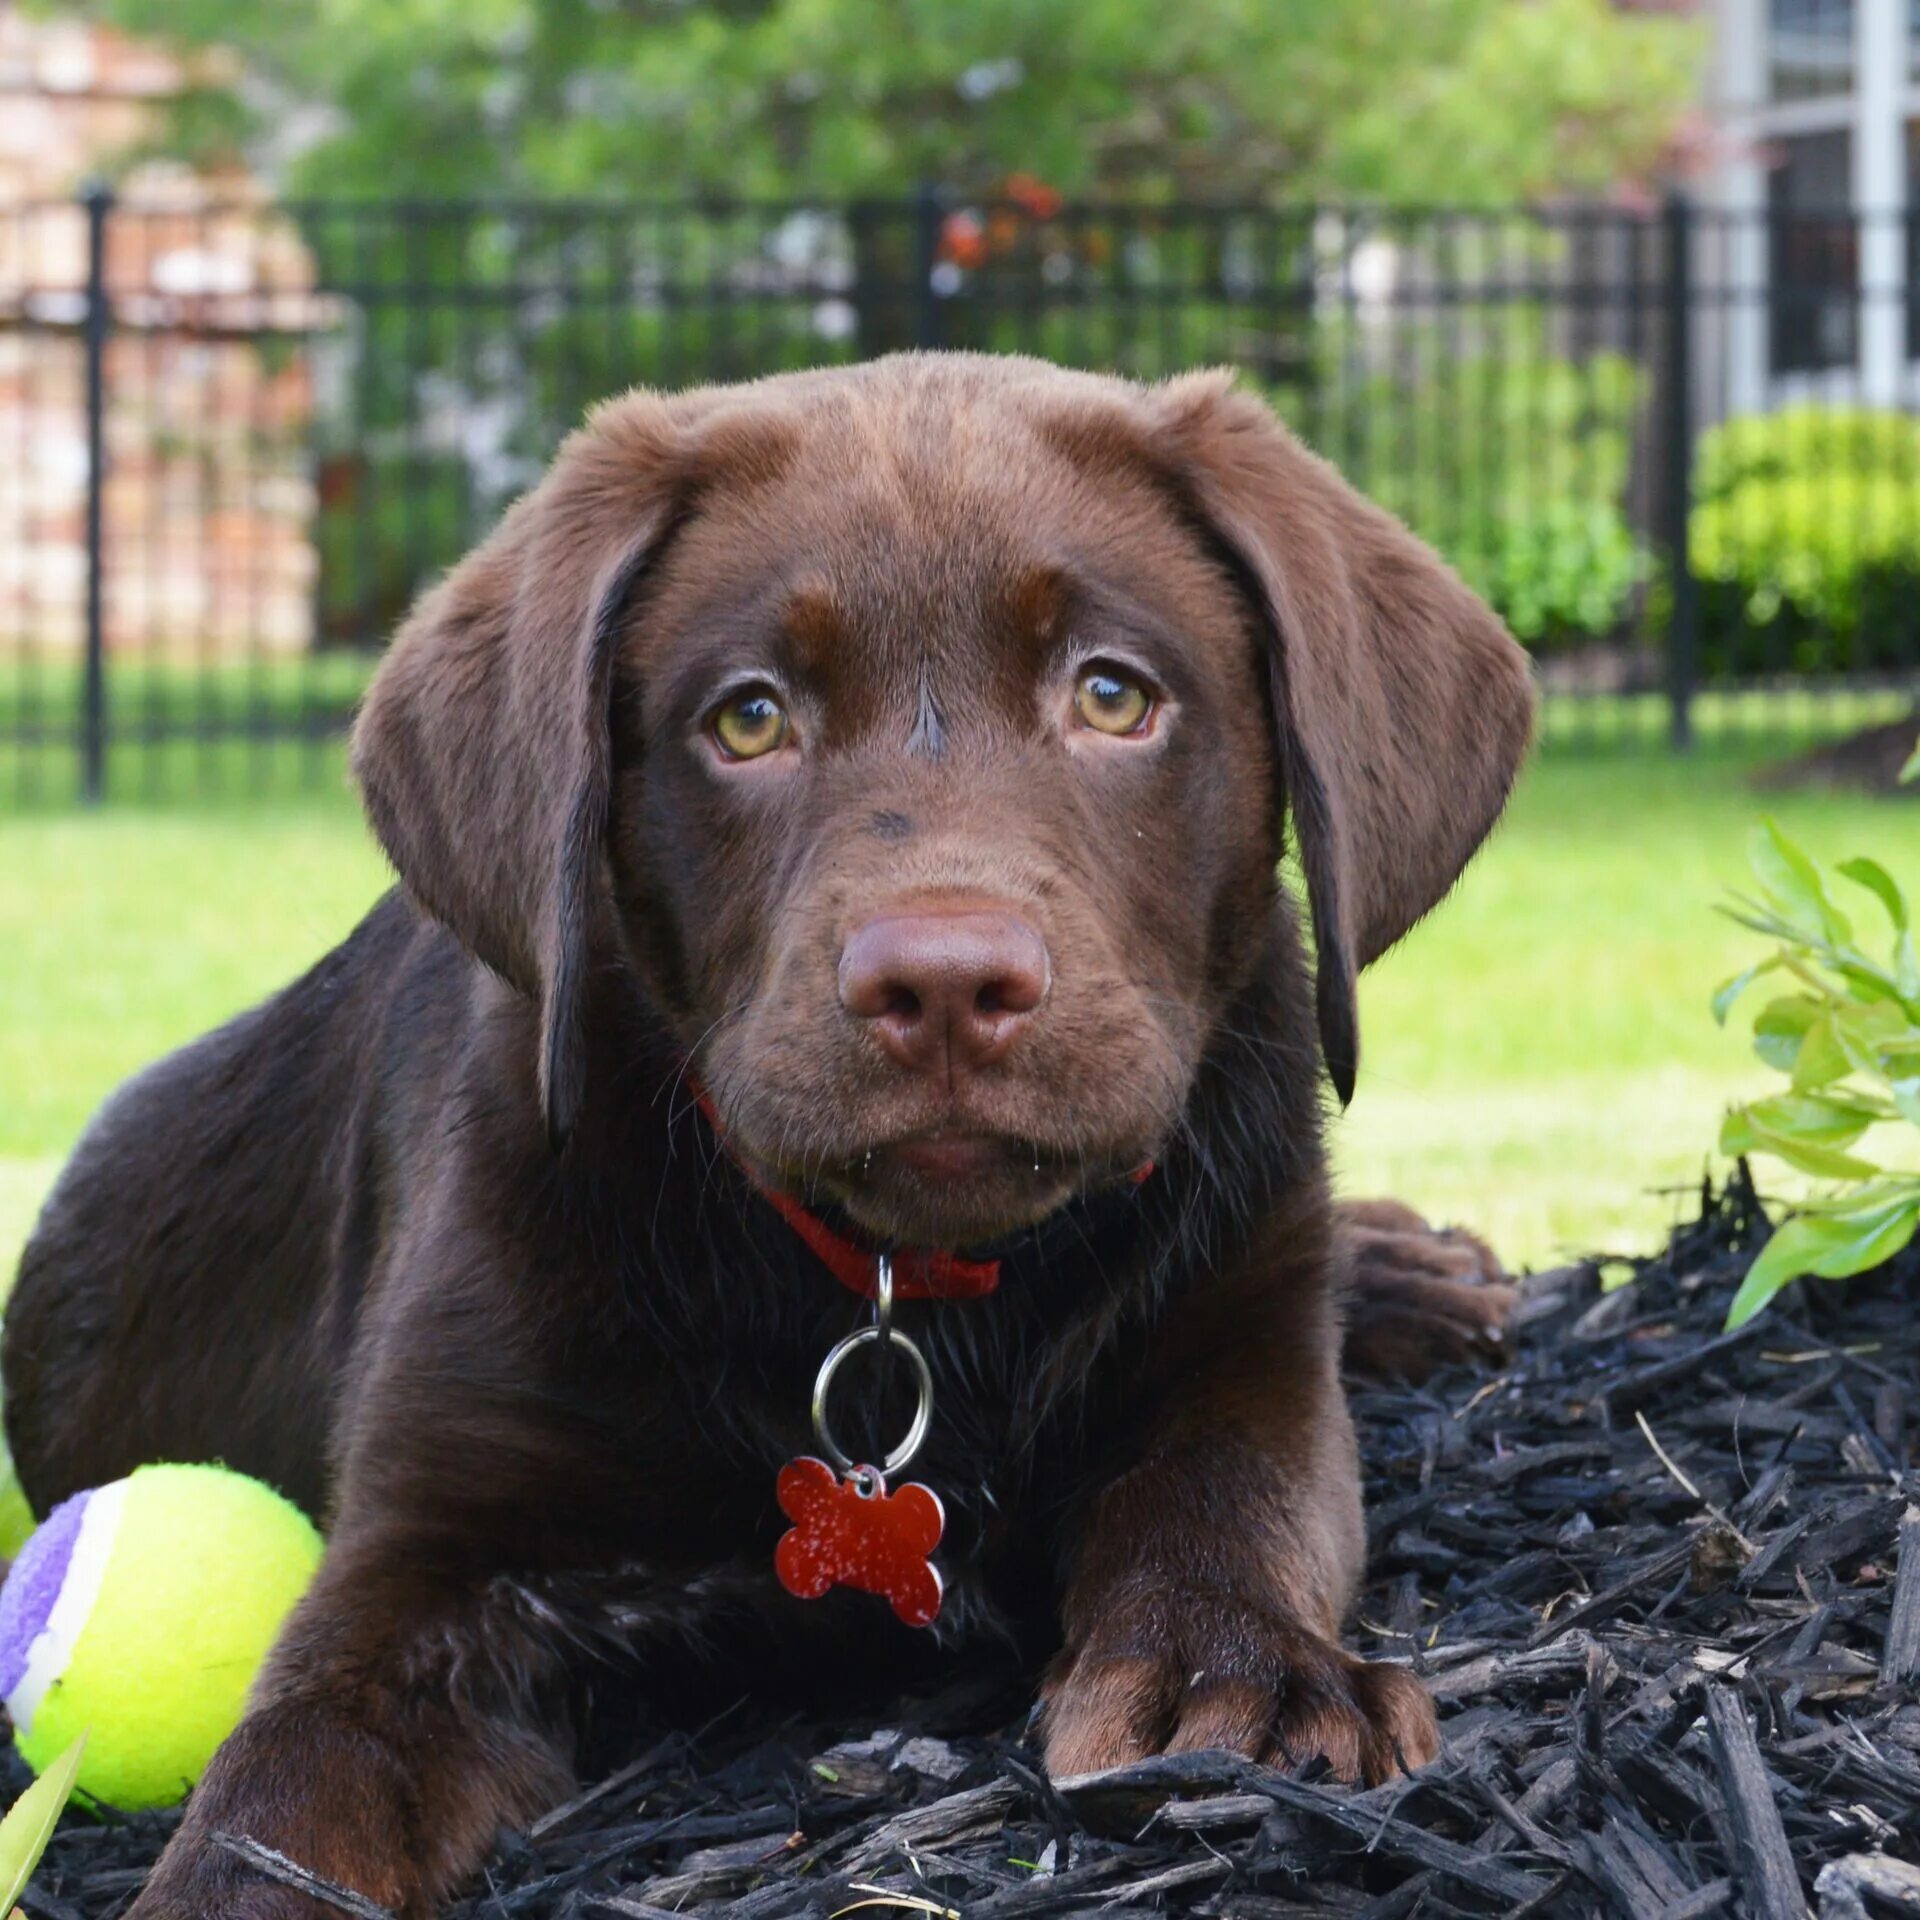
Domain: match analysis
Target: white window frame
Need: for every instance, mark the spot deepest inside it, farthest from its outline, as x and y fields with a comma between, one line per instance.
x=1875, y=114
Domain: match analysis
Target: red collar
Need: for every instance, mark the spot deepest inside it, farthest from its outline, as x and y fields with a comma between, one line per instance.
x=919, y=1273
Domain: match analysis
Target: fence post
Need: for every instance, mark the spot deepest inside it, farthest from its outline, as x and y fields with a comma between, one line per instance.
x=1676, y=491
x=97, y=199
x=929, y=216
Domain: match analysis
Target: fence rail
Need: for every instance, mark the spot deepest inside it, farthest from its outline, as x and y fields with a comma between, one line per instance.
x=1677, y=448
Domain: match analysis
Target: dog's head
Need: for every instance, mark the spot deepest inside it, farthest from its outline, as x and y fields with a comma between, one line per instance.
x=919, y=736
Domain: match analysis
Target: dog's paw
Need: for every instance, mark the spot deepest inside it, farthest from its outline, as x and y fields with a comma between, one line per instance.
x=1418, y=1297
x=221, y=1899
x=1171, y=1669
x=217, y=1875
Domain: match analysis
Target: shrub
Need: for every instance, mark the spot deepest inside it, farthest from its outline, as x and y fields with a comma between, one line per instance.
x=1805, y=440
x=1806, y=540
x=1512, y=461
x=1848, y=1039
x=1558, y=571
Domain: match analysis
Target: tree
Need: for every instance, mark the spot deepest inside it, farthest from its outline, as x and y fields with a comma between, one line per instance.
x=365, y=104
x=1471, y=101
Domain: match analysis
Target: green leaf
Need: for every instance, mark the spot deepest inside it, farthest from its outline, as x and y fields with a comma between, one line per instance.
x=1911, y=771
x=16, y=1517
x=1863, y=1031
x=1885, y=1194
x=1906, y=969
x=1877, y=880
x=30, y=1822
x=1729, y=991
x=1825, y=1163
x=1830, y=1245
x=1792, y=883
x=1821, y=1058
x=1817, y=1117
x=1876, y=1239
x=1758, y=919
x=1782, y=1025
x=1867, y=982
x=1795, y=1245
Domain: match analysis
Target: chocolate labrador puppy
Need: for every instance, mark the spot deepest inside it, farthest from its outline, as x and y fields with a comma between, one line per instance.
x=836, y=815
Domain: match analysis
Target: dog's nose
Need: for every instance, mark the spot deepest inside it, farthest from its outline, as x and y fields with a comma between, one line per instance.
x=946, y=992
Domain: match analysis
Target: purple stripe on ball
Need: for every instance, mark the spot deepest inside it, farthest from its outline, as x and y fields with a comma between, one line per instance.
x=34, y=1584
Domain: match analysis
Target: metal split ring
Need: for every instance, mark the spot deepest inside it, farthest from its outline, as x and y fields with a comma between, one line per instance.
x=881, y=1330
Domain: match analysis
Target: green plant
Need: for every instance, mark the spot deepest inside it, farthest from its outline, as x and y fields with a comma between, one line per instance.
x=1450, y=100
x=1510, y=459
x=1805, y=440
x=1556, y=570
x=1848, y=1039
x=1806, y=539
x=30, y=1822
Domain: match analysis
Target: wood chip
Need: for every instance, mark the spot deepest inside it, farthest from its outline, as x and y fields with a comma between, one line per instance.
x=1763, y=1860
x=1653, y=1705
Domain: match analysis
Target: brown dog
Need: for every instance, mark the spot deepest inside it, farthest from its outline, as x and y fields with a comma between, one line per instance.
x=899, y=755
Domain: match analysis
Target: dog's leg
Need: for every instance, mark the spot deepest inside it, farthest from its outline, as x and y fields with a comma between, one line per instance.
x=1212, y=1577
x=412, y=1708
x=1417, y=1297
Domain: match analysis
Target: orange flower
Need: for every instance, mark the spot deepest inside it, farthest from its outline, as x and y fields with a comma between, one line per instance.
x=963, y=240
x=1033, y=196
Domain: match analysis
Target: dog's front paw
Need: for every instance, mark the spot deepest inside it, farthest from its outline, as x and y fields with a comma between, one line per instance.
x=202, y=1888
x=1172, y=1668
x=213, y=1869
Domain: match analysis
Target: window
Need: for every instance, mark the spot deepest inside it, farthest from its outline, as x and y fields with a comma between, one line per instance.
x=1813, y=238
x=1809, y=48
x=1913, y=227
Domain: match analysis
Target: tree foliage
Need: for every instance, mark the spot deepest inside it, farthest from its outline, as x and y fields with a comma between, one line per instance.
x=1410, y=100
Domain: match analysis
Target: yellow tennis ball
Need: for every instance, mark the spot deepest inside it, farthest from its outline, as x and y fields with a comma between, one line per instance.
x=139, y=1614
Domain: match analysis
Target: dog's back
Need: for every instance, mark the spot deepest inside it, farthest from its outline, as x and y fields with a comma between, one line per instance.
x=217, y=1226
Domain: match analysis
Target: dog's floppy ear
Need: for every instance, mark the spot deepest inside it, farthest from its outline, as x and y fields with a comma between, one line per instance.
x=482, y=749
x=1403, y=706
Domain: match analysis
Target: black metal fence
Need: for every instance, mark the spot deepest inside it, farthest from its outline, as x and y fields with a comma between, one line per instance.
x=1677, y=448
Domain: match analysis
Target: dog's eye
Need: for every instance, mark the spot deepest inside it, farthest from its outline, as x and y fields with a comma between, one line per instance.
x=1111, y=701
x=750, y=724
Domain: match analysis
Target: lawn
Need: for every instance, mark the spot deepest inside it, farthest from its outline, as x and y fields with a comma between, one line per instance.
x=1538, y=1059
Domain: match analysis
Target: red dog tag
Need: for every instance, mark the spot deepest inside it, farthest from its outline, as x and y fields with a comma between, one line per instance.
x=854, y=1533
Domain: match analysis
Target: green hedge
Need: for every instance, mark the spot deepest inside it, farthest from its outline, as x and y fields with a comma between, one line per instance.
x=1805, y=533
x=1806, y=541
x=1513, y=463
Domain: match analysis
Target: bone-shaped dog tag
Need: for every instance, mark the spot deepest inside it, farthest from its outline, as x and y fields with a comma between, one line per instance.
x=851, y=1532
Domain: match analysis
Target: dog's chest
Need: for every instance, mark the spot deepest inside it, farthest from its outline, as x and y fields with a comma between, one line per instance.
x=737, y=1610
x=708, y=1583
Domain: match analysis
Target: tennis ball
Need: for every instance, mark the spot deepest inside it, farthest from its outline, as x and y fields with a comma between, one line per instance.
x=139, y=1614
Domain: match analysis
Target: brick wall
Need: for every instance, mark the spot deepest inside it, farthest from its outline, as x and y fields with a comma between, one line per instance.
x=208, y=503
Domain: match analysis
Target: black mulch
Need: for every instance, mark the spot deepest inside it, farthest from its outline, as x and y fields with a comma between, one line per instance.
x=1665, y=1583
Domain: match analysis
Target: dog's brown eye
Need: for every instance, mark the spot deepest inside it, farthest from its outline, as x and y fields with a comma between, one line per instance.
x=752, y=723
x=1110, y=701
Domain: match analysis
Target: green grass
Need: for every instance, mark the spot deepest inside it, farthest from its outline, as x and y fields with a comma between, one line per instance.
x=127, y=931
x=162, y=719
x=1537, y=1059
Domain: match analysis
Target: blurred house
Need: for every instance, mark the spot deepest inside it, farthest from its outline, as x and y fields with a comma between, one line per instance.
x=208, y=505
x=1814, y=181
